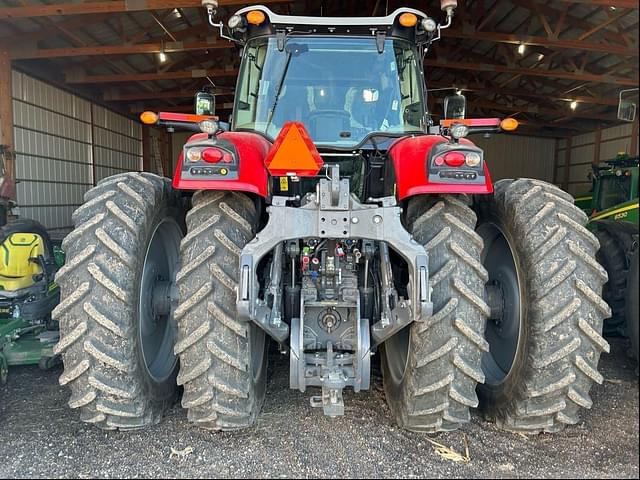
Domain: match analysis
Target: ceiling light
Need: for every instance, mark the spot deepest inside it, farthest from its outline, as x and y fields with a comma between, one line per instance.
x=177, y=13
x=162, y=57
x=574, y=105
x=540, y=56
x=612, y=8
x=521, y=48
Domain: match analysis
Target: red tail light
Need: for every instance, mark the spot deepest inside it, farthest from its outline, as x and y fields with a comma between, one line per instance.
x=455, y=159
x=212, y=155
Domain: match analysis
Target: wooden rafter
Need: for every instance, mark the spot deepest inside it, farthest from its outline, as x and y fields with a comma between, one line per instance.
x=72, y=78
x=125, y=49
x=111, y=6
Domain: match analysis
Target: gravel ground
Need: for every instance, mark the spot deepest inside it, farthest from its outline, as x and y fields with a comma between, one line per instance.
x=41, y=437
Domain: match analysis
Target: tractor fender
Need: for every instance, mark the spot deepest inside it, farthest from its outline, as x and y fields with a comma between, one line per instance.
x=252, y=174
x=410, y=161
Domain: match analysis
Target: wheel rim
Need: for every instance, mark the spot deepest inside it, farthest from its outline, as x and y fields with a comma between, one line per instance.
x=504, y=327
x=156, y=332
x=397, y=354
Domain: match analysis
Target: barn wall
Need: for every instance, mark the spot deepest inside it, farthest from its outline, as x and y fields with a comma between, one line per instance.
x=64, y=145
x=583, y=153
x=515, y=156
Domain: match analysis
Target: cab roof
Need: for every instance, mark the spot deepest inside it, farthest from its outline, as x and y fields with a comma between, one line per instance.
x=388, y=25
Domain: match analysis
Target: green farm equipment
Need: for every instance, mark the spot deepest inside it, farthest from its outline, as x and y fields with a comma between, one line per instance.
x=28, y=294
x=614, y=220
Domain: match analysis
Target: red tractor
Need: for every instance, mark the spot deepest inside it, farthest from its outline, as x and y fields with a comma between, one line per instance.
x=332, y=217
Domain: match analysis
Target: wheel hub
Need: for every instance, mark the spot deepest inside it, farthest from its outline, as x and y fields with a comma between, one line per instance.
x=503, y=295
x=158, y=298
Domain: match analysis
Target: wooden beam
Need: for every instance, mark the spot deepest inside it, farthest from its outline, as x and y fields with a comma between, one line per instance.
x=112, y=6
x=556, y=155
x=74, y=78
x=535, y=110
x=6, y=107
x=139, y=108
x=633, y=147
x=6, y=114
x=146, y=148
x=607, y=3
x=515, y=39
x=596, y=146
x=555, y=73
x=54, y=30
x=567, y=165
x=22, y=53
x=115, y=96
x=570, y=20
x=478, y=88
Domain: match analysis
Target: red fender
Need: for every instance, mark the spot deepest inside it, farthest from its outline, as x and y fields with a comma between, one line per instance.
x=252, y=174
x=409, y=156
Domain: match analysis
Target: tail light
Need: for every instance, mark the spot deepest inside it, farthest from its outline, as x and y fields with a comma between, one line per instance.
x=455, y=159
x=215, y=155
x=458, y=158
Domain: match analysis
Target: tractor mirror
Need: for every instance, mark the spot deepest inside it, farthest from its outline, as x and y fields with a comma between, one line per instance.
x=628, y=105
x=455, y=106
x=205, y=103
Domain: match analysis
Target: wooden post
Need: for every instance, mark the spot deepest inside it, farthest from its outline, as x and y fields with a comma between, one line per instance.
x=556, y=155
x=633, y=148
x=146, y=149
x=567, y=165
x=6, y=113
x=596, y=146
x=169, y=163
x=94, y=171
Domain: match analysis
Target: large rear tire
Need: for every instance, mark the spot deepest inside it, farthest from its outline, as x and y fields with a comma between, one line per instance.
x=116, y=337
x=612, y=257
x=631, y=304
x=431, y=368
x=223, y=361
x=544, y=289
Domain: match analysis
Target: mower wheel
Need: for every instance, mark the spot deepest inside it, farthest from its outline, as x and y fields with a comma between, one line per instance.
x=47, y=363
x=544, y=291
x=223, y=360
x=431, y=368
x=116, y=329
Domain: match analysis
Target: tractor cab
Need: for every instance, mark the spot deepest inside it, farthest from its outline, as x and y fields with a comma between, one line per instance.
x=616, y=185
x=345, y=80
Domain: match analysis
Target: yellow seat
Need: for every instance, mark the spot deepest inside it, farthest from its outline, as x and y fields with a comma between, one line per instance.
x=16, y=270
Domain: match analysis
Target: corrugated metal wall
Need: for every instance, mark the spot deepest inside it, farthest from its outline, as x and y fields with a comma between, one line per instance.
x=613, y=140
x=64, y=145
x=515, y=156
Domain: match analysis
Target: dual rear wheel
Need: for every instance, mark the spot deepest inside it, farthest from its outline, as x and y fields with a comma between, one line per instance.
x=517, y=313
x=515, y=330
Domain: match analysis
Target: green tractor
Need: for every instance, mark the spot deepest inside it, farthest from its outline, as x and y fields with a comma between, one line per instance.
x=28, y=293
x=614, y=220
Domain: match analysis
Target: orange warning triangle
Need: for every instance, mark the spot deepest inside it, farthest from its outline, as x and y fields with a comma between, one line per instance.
x=293, y=153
